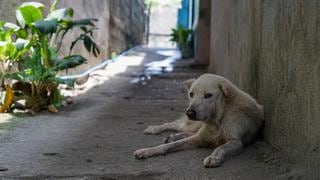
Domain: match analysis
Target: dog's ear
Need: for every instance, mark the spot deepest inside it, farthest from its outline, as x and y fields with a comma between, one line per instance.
x=188, y=83
x=224, y=87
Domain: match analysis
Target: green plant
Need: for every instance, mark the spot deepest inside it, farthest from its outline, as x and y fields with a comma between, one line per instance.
x=29, y=51
x=181, y=36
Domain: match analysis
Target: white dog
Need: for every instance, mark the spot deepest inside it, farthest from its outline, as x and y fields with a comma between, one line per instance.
x=220, y=116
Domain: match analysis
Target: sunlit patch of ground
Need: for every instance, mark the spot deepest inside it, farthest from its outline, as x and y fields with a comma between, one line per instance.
x=8, y=121
x=100, y=76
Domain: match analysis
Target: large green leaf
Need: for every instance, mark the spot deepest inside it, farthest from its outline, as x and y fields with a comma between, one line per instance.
x=69, y=24
x=6, y=36
x=34, y=70
x=26, y=75
x=33, y=62
x=53, y=54
x=21, y=34
x=15, y=76
x=2, y=50
x=20, y=19
x=7, y=50
x=68, y=82
x=28, y=15
x=84, y=22
x=66, y=23
x=70, y=62
x=11, y=50
x=2, y=23
x=47, y=26
x=87, y=42
x=181, y=35
x=61, y=14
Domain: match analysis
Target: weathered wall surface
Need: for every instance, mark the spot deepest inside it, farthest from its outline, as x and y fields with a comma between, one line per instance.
x=127, y=20
x=202, y=33
x=235, y=31
x=98, y=9
x=120, y=23
x=289, y=76
x=271, y=49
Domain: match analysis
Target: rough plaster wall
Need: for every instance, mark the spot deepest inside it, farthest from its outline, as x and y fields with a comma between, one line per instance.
x=98, y=9
x=289, y=76
x=202, y=37
x=271, y=49
x=127, y=19
x=120, y=23
x=235, y=41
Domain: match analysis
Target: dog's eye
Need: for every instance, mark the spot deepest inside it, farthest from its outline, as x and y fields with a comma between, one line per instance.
x=191, y=94
x=207, y=95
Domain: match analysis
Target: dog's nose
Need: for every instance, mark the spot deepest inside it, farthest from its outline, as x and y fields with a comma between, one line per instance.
x=191, y=113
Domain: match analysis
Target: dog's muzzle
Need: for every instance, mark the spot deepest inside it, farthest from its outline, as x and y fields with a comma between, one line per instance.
x=192, y=114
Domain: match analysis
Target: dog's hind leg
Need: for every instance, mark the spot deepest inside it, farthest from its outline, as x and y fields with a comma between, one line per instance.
x=182, y=144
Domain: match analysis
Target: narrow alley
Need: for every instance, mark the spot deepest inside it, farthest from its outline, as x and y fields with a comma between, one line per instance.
x=96, y=136
x=81, y=80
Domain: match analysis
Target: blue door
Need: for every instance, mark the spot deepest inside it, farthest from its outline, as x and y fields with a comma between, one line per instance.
x=183, y=14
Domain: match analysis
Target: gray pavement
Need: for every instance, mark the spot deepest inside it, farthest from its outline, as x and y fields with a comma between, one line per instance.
x=95, y=137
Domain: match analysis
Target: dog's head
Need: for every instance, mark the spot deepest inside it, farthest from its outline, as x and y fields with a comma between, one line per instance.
x=208, y=95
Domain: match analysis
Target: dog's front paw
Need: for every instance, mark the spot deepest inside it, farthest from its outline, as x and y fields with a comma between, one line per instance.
x=143, y=153
x=152, y=130
x=212, y=162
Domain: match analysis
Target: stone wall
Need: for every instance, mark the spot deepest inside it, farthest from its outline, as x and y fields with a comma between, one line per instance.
x=289, y=76
x=98, y=9
x=127, y=24
x=271, y=49
x=120, y=23
x=235, y=41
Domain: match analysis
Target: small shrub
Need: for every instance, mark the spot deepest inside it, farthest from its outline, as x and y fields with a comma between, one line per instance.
x=29, y=53
x=182, y=37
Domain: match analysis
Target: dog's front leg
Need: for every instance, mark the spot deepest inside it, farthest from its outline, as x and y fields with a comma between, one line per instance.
x=172, y=126
x=186, y=143
x=220, y=153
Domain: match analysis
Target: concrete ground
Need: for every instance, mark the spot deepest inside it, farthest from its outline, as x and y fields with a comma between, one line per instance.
x=96, y=136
